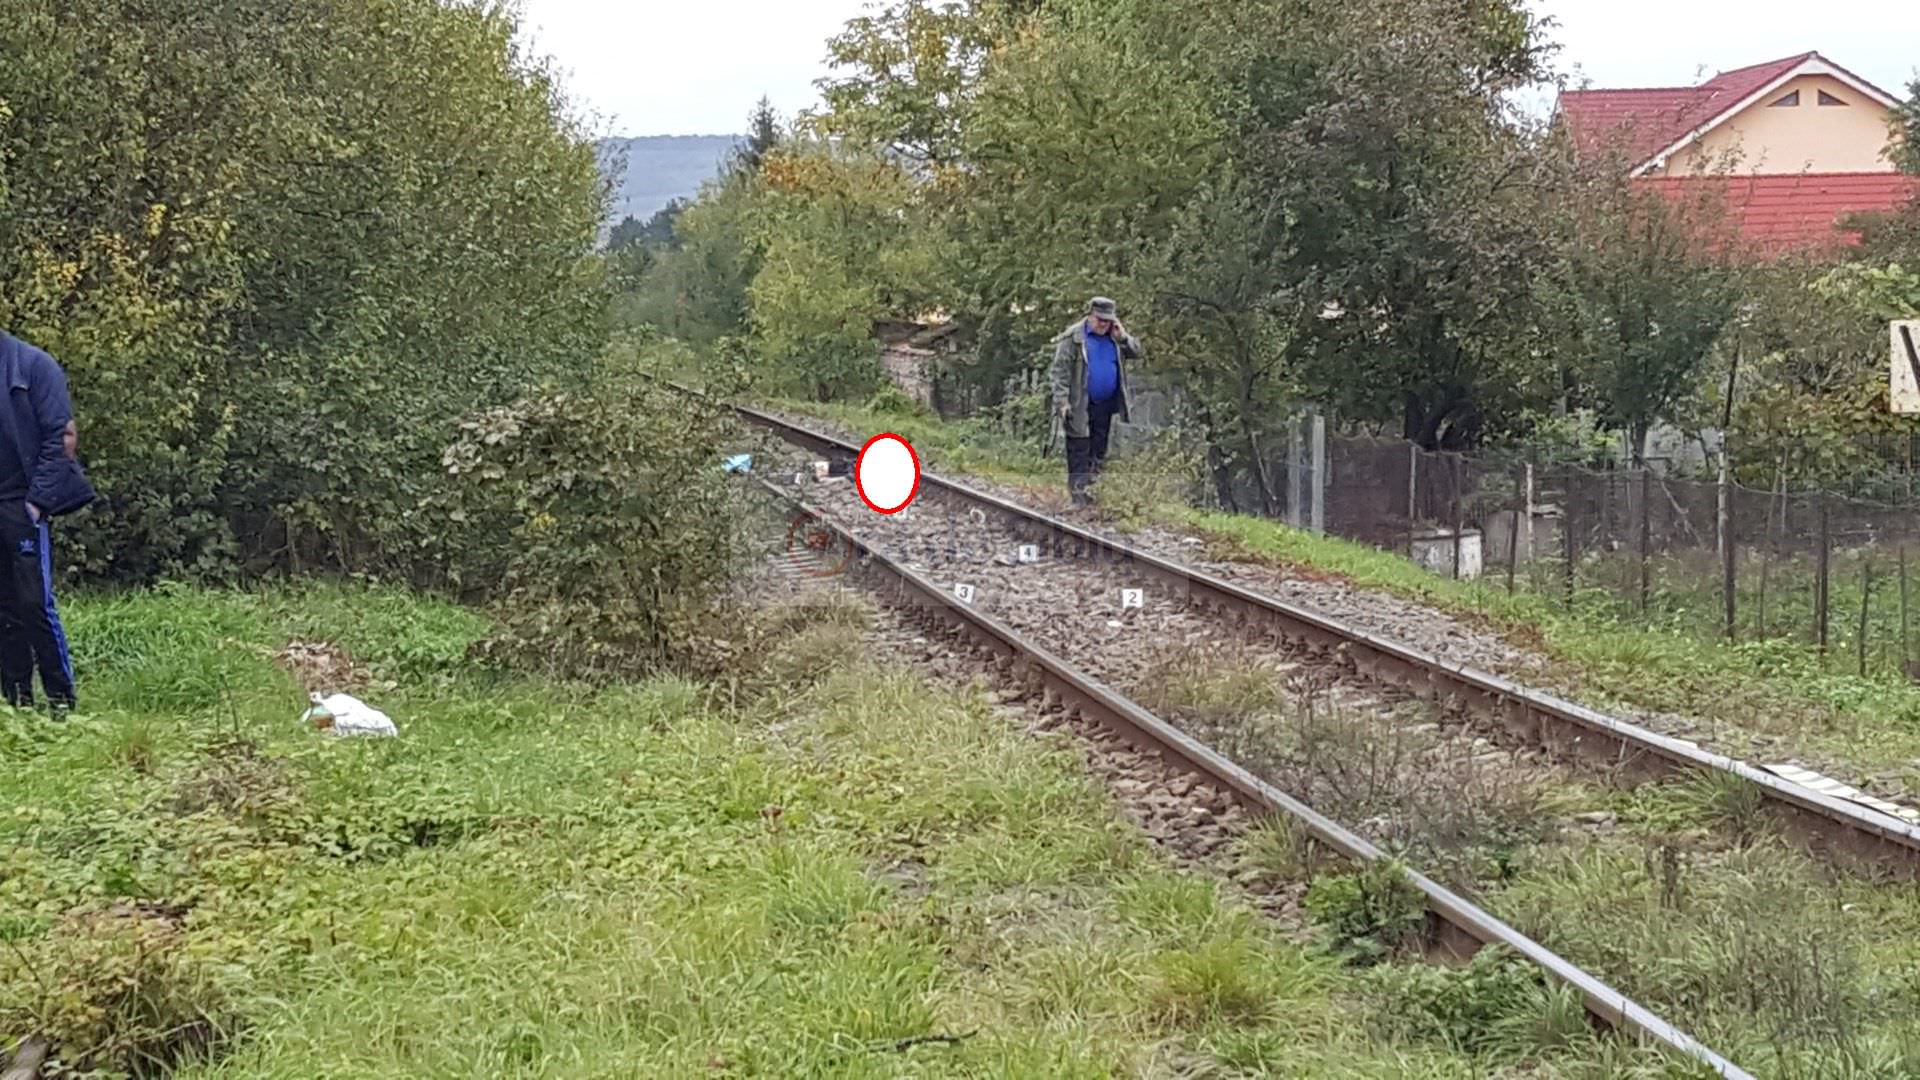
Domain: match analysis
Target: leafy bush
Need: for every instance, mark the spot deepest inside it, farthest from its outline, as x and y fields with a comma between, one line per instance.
x=1370, y=913
x=598, y=525
x=889, y=399
x=115, y=988
x=274, y=293
x=1135, y=486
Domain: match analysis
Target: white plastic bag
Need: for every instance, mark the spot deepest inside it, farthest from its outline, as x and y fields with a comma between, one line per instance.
x=344, y=714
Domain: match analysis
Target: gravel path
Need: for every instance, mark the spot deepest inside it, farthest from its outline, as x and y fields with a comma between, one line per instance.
x=1436, y=786
x=1194, y=822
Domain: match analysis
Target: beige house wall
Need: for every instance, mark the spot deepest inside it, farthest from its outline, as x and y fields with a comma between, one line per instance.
x=1808, y=137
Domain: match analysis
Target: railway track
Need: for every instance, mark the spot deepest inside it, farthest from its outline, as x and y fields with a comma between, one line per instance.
x=1831, y=824
x=1457, y=927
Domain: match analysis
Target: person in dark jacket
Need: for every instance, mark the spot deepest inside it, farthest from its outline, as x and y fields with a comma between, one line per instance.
x=40, y=479
x=1090, y=389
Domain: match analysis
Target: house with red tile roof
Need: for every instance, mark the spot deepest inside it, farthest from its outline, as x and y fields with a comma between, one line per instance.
x=1796, y=145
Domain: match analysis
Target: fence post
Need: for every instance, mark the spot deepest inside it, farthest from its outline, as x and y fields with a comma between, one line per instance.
x=1320, y=474
x=1413, y=492
x=1532, y=551
x=1646, y=536
x=1566, y=531
x=1295, y=451
x=1821, y=582
x=1513, y=535
x=1728, y=582
x=1459, y=527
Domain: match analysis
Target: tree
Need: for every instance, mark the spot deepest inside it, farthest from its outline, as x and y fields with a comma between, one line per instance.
x=1416, y=194
x=324, y=233
x=654, y=234
x=1813, y=380
x=911, y=72
x=763, y=136
x=1227, y=313
x=698, y=290
x=1637, y=295
x=1230, y=170
x=1906, y=131
x=841, y=246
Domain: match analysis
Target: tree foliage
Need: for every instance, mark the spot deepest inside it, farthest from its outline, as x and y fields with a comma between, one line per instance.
x=1637, y=297
x=1906, y=131
x=598, y=522
x=281, y=250
x=1326, y=201
x=838, y=250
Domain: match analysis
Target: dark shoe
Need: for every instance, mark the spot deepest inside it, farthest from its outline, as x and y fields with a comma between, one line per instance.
x=60, y=711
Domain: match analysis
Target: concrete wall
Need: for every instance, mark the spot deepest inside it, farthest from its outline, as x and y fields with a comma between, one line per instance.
x=911, y=369
x=1808, y=137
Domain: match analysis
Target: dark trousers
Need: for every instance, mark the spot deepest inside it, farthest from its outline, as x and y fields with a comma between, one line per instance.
x=1085, y=456
x=30, y=632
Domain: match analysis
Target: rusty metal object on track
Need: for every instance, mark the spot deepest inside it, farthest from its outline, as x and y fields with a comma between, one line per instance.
x=1464, y=927
x=1845, y=829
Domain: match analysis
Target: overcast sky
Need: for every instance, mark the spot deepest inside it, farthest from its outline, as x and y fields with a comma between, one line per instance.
x=692, y=67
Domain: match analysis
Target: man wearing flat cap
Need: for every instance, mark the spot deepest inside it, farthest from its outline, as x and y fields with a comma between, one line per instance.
x=1090, y=389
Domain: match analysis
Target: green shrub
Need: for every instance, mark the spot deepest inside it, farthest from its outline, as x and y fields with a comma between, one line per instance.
x=118, y=989
x=1370, y=913
x=1136, y=486
x=274, y=293
x=890, y=400
x=1498, y=1002
x=599, y=526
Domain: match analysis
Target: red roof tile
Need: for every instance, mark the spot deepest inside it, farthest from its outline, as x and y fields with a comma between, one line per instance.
x=1643, y=122
x=1797, y=211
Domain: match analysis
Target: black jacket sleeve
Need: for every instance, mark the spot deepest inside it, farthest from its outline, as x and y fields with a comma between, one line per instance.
x=57, y=484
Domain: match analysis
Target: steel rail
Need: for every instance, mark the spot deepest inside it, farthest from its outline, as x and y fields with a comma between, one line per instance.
x=1469, y=926
x=1845, y=829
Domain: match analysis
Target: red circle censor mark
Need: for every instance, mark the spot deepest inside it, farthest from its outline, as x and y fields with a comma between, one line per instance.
x=887, y=473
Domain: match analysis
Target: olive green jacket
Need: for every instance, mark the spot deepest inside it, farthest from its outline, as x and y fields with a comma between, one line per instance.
x=1070, y=375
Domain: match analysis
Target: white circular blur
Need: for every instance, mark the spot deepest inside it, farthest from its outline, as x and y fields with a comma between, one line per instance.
x=886, y=474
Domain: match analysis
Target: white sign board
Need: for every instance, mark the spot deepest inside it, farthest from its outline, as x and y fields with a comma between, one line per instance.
x=964, y=592
x=1029, y=553
x=1133, y=598
x=1903, y=386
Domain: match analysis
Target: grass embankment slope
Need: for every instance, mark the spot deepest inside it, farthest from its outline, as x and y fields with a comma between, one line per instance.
x=638, y=881
x=1780, y=687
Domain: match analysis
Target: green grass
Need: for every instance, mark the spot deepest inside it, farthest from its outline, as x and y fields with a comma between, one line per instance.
x=1752, y=948
x=539, y=880
x=1771, y=688
x=1603, y=652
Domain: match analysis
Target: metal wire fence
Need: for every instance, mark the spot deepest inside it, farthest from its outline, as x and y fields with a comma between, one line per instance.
x=1708, y=557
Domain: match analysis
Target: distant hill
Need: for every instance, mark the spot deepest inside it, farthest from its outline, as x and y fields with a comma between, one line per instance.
x=660, y=168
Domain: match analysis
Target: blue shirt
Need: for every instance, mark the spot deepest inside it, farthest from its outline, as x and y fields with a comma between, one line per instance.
x=33, y=427
x=1103, y=367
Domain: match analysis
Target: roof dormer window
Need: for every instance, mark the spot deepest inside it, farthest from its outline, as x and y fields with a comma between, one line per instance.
x=1829, y=99
x=1787, y=102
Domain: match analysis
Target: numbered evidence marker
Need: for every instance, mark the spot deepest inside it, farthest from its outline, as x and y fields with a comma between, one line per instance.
x=964, y=592
x=1133, y=598
x=887, y=473
x=1029, y=552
